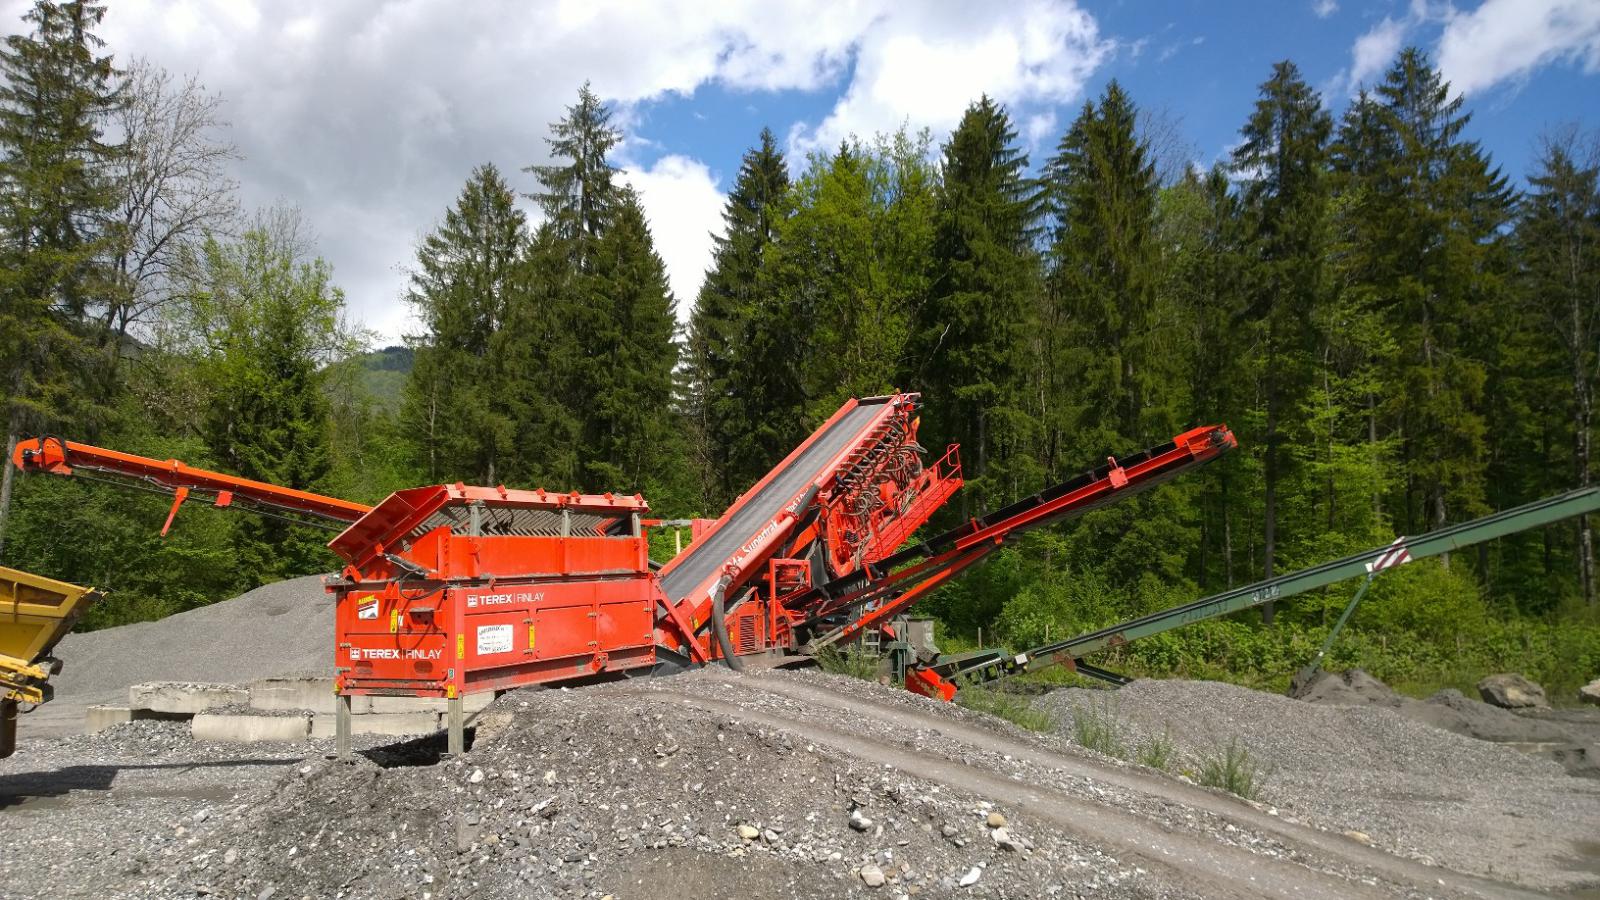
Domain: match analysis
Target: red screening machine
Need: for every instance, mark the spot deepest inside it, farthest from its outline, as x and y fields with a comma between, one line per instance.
x=453, y=589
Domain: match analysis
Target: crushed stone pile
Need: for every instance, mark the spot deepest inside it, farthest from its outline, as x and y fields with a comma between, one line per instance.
x=1568, y=737
x=285, y=628
x=1353, y=761
x=608, y=792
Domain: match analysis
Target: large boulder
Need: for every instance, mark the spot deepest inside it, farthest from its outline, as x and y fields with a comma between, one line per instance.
x=1509, y=691
x=1590, y=693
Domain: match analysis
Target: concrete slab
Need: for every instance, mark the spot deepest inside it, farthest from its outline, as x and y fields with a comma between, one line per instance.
x=247, y=728
x=312, y=694
x=99, y=718
x=397, y=724
x=184, y=696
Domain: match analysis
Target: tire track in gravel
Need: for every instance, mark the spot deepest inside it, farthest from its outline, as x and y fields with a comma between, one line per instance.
x=1199, y=867
x=1238, y=871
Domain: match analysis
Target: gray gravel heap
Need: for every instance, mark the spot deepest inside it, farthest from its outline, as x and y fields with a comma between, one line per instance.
x=284, y=628
x=1415, y=789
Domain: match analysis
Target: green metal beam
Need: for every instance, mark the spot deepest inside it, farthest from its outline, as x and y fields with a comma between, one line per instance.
x=1445, y=540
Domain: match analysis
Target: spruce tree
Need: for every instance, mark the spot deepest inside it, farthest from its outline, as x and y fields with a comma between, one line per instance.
x=1119, y=361
x=1283, y=164
x=57, y=365
x=1558, y=244
x=632, y=439
x=967, y=337
x=464, y=284
x=578, y=193
x=1433, y=207
x=720, y=410
x=1104, y=264
x=602, y=305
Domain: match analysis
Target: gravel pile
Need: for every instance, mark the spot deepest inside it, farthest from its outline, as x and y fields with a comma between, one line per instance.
x=284, y=628
x=1412, y=788
x=610, y=791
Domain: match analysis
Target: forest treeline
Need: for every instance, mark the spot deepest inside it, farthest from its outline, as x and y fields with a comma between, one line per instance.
x=1399, y=336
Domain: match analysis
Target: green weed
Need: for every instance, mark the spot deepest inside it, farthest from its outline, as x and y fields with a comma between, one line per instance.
x=1097, y=726
x=1233, y=769
x=1014, y=709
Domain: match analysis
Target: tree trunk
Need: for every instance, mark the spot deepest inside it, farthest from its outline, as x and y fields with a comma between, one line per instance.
x=1583, y=412
x=5, y=485
x=1269, y=494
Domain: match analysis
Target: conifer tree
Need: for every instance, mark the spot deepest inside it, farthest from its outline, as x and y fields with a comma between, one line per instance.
x=462, y=288
x=55, y=92
x=1283, y=163
x=1120, y=358
x=718, y=406
x=1103, y=259
x=632, y=438
x=1431, y=209
x=603, y=306
x=578, y=193
x=967, y=337
x=1558, y=244
x=1204, y=245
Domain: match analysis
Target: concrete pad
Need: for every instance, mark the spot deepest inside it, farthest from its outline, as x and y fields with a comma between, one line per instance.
x=471, y=703
x=99, y=718
x=397, y=724
x=313, y=694
x=184, y=696
x=246, y=728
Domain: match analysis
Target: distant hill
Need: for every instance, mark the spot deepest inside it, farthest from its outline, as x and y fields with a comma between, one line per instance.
x=382, y=374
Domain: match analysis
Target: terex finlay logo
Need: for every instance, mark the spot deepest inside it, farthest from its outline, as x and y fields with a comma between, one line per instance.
x=476, y=600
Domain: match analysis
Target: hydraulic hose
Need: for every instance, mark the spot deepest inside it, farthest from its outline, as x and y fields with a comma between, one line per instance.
x=719, y=623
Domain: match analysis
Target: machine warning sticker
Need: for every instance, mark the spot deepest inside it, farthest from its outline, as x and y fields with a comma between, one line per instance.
x=494, y=639
x=368, y=608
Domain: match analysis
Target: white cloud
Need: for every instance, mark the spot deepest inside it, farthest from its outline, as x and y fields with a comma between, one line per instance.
x=684, y=207
x=1375, y=51
x=926, y=62
x=369, y=114
x=1507, y=39
x=1324, y=8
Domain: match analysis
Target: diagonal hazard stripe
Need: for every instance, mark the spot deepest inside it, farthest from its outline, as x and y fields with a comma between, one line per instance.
x=1396, y=555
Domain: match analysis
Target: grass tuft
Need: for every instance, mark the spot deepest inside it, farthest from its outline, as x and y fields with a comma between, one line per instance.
x=1014, y=709
x=856, y=664
x=1233, y=769
x=1156, y=752
x=1098, y=727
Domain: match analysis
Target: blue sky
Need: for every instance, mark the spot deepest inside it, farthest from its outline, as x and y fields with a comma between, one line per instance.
x=368, y=115
x=1196, y=65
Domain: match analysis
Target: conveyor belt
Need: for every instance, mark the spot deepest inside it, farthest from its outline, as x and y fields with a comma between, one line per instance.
x=701, y=561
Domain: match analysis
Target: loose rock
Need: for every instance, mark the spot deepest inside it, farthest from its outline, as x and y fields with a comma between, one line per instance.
x=1511, y=691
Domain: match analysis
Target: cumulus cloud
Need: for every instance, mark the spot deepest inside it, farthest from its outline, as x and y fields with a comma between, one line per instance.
x=1324, y=8
x=1375, y=51
x=369, y=114
x=1507, y=39
x=925, y=62
x=684, y=207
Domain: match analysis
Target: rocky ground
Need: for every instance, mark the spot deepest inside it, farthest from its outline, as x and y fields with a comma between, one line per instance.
x=711, y=784
x=1388, y=771
x=773, y=784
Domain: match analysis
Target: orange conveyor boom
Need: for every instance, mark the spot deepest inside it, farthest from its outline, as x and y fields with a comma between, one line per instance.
x=56, y=456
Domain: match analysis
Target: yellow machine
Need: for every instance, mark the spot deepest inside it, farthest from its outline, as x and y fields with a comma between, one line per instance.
x=35, y=613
